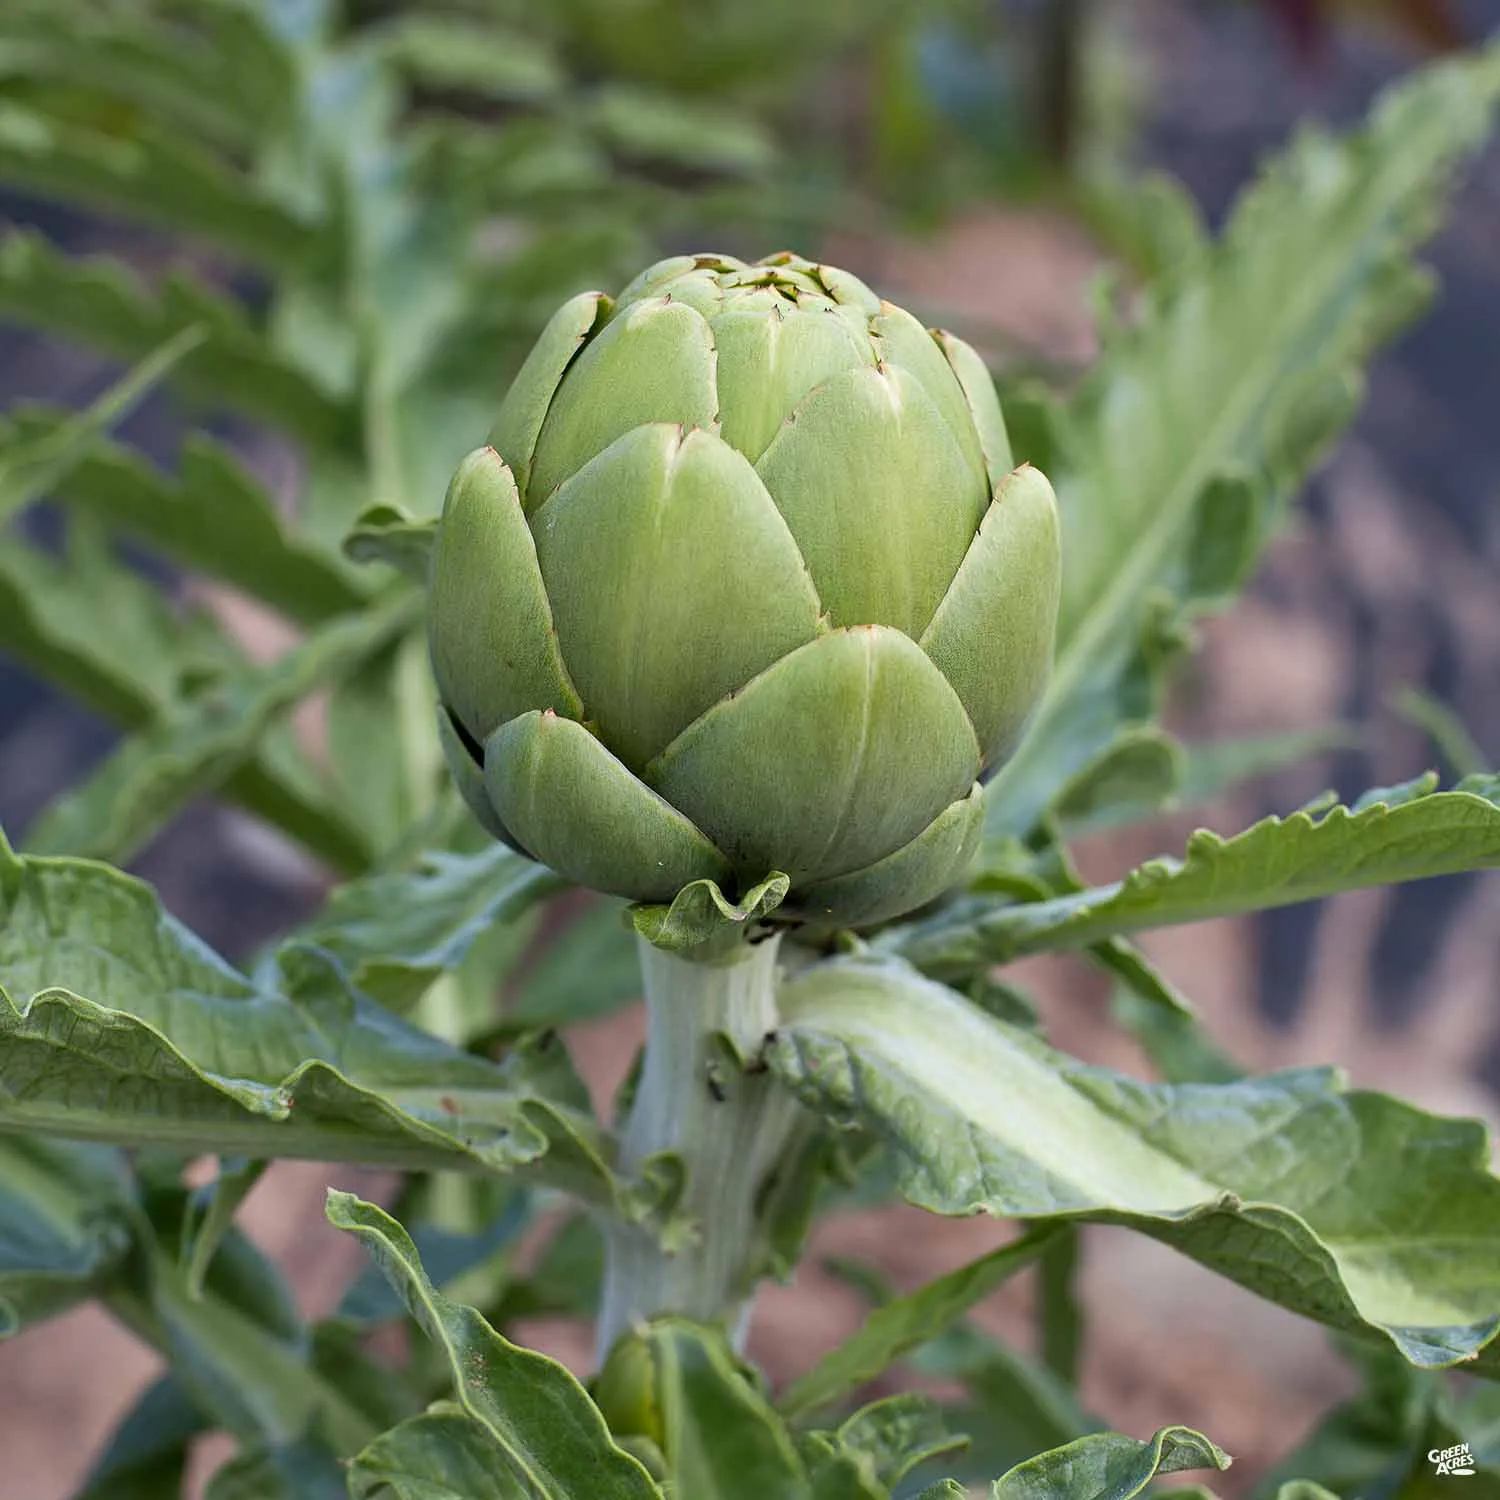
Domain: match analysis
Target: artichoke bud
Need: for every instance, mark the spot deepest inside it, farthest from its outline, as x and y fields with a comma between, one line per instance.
x=745, y=583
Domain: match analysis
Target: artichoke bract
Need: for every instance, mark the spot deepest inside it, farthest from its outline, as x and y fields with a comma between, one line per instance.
x=745, y=583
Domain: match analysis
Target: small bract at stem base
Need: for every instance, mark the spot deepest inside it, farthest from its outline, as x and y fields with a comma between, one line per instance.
x=727, y=1126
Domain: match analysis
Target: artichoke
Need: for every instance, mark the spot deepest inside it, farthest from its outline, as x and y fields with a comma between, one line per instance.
x=746, y=583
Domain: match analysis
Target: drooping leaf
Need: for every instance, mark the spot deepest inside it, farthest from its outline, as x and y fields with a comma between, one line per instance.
x=899, y=1326
x=385, y=760
x=1176, y=1043
x=100, y=631
x=1135, y=776
x=1201, y=417
x=536, y=1421
x=1347, y=1206
x=64, y=1224
x=1108, y=1466
x=643, y=125
x=119, y=1025
x=1391, y=835
x=214, y=1209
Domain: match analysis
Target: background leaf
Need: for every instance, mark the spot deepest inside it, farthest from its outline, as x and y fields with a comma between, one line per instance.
x=1392, y=835
x=1199, y=419
x=1108, y=1466
x=179, y=1048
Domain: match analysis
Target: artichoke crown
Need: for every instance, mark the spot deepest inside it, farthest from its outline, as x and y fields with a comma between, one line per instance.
x=745, y=583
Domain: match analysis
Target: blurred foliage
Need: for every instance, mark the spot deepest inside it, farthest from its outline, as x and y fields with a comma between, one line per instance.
x=337, y=231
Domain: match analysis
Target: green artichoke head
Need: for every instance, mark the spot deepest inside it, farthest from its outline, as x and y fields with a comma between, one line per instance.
x=745, y=583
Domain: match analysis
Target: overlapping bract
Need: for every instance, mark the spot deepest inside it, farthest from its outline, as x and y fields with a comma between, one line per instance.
x=746, y=583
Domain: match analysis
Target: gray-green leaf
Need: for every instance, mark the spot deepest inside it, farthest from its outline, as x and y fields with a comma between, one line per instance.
x=1347, y=1206
x=538, y=1421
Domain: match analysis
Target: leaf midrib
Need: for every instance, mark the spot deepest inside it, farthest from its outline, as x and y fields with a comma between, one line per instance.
x=1144, y=561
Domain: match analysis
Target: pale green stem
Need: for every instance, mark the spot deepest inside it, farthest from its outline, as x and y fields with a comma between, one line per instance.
x=728, y=1126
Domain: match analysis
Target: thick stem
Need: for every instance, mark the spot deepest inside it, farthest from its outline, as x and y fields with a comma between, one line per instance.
x=727, y=1126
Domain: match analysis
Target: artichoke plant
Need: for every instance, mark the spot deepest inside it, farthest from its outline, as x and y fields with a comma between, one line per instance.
x=745, y=583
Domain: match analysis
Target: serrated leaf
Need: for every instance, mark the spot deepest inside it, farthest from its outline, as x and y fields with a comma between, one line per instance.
x=122, y=1026
x=1347, y=1206
x=1242, y=363
x=197, y=743
x=212, y=517
x=221, y=78
x=538, y=1421
x=1391, y=835
x=109, y=637
x=64, y=1224
x=1108, y=1466
x=905, y=1323
x=649, y=126
x=396, y=931
x=161, y=178
x=98, y=303
x=482, y=59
